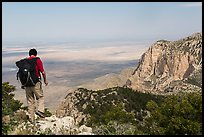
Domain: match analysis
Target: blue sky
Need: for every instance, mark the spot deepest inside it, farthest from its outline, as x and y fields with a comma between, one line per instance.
x=142, y=21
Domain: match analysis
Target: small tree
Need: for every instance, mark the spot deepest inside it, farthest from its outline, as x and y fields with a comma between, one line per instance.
x=9, y=105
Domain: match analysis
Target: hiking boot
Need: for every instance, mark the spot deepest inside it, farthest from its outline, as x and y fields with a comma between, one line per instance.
x=40, y=114
x=23, y=87
x=31, y=120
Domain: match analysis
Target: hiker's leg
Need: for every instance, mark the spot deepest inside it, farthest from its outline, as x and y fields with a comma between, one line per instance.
x=39, y=96
x=30, y=102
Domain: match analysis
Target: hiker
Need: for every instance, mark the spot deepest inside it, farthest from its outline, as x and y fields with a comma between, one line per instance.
x=33, y=87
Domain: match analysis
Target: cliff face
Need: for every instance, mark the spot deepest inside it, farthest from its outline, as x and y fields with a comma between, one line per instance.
x=167, y=65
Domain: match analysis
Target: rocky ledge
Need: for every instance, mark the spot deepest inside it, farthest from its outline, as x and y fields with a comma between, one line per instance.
x=52, y=126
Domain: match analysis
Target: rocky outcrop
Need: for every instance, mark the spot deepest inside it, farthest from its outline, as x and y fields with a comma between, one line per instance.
x=167, y=65
x=52, y=126
x=72, y=104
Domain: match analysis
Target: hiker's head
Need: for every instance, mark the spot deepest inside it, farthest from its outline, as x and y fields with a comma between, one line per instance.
x=33, y=52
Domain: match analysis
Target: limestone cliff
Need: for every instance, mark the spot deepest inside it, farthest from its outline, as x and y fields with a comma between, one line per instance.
x=168, y=65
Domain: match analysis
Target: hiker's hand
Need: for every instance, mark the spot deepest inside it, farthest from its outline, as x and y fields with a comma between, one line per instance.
x=46, y=83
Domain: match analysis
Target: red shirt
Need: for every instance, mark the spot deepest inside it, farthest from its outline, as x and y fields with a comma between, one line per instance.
x=39, y=66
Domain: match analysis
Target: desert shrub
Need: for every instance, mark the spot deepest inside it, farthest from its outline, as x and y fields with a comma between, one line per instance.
x=47, y=113
x=116, y=113
x=116, y=128
x=175, y=115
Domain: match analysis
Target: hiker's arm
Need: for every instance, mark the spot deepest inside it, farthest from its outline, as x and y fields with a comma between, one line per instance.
x=45, y=78
x=40, y=66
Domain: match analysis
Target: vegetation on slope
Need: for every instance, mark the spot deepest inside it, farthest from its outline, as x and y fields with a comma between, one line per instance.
x=120, y=104
x=175, y=115
x=113, y=110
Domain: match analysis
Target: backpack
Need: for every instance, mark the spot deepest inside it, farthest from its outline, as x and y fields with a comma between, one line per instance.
x=27, y=72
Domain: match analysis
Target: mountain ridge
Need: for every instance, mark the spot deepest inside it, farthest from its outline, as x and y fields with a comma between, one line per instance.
x=166, y=62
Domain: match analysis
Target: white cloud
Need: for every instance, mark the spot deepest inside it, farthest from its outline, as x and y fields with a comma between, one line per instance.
x=193, y=4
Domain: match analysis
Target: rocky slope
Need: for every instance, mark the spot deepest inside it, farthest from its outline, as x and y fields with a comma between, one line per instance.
x=167, y=66
x=109, y=80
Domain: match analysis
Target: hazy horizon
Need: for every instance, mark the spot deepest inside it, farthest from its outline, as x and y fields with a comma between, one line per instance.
x=99, y=21
x=73, y=63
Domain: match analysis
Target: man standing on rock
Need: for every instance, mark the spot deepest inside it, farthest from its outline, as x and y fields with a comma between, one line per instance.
x=35, y=90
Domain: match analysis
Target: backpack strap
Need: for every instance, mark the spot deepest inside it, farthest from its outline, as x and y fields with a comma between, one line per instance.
x=33, y=60
x=33, y=75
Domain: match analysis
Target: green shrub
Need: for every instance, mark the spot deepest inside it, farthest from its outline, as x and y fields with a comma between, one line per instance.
x=47, y=113
x=9, y=106
x=176, y=115
x=116, y=128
